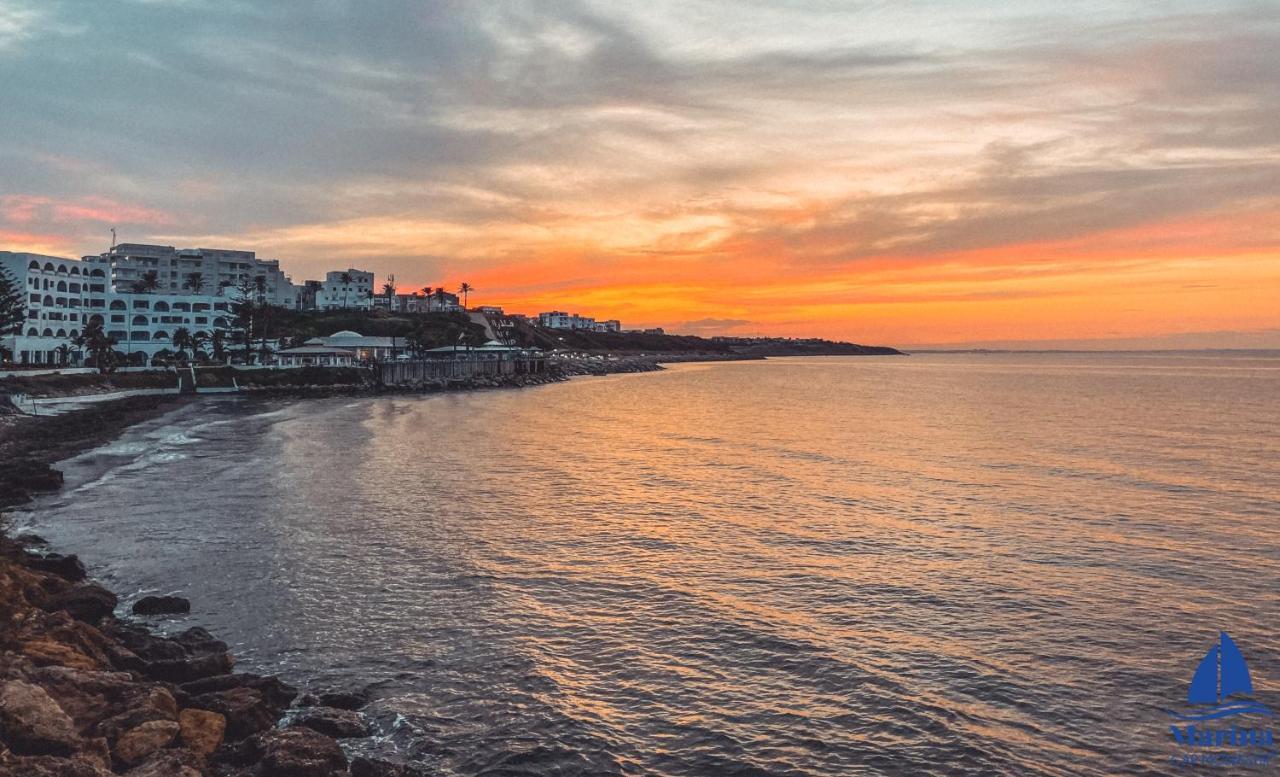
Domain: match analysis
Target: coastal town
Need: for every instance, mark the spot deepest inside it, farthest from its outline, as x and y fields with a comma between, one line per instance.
x=146, y=305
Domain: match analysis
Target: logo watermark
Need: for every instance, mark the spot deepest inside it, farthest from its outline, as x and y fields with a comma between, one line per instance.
x=1222, y=725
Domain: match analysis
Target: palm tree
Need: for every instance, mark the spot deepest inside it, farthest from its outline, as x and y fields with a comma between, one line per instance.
x=389, y=290
x=441, y=295
x=150, y=281
x=464, y=290
x=198, y=342
x=182, y=341
x=345, y=279
x=194, y=282
x=64, y=353
x=100, y=346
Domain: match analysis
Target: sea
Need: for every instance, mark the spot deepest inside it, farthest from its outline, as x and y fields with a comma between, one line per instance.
x=936, y=564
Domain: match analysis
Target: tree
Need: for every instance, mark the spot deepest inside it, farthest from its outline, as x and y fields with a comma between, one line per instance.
x=63, y=353
x=345, y=279
x=441, y=296
x=194, y=282
x=150, y=281
x=264, y=315
x=218, y=346
x=100, y=347
x=182, y=341
x=198, y=341
x=245, y=309
x=13, y=308
x=464, y=290
x=389, y=290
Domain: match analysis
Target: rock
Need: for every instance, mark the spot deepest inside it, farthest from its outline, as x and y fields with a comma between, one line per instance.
x=161, y=605
x=244, y=709
x=141, y=741
x=191, y=655
x=277, y=694
x=45, y=652
x=363, y=766
x=32, y=723
x=202, y=731
x=341, y=724
x=343, y=700
x=298, y=752
x=85, y=695
x=29, y=540
x=87, y=602
x=168, y=763
x=68, y=567
x=47, y=766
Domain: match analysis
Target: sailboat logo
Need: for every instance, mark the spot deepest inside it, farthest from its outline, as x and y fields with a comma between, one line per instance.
x=1222, y=674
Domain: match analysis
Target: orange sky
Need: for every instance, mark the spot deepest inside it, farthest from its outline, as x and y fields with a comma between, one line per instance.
x=925, y=173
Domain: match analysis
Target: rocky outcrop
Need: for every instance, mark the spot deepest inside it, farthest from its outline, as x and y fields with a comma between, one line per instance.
x=84, y=694
x=161, y=605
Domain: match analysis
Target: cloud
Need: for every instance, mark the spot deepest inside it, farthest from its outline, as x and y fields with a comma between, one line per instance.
x=737, y=156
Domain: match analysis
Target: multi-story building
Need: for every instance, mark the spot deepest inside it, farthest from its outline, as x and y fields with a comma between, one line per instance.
x=63, y=295
x=344, y=289
x=418, y=303
x=558, y=319
x=195, y=271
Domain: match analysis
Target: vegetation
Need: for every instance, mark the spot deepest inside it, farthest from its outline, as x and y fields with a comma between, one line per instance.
x=149, y=282
x=13, y=309
x=99, y=348
x=194, y=282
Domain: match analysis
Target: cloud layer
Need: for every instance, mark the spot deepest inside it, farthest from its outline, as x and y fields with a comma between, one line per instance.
x=923, y=172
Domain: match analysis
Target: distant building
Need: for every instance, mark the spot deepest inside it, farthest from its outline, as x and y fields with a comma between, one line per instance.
x=418, y=303
x=364, y=348
x=558, y=319
x=346, y=289
x=492, y=310
x=315, y=356
x=612, y=325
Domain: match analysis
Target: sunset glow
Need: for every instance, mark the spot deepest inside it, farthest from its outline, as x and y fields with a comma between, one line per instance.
x=924, y=173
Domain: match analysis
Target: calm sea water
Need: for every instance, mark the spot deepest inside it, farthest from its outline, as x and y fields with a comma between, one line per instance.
x=941, y=564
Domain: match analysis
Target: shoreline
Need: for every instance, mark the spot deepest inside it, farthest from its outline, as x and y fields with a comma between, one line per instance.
x=87, y=691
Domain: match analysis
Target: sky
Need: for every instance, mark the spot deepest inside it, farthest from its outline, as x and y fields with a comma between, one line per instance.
x=941, y=172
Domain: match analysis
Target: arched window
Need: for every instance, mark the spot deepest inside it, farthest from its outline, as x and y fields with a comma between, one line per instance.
x=62, y=286
x=96, y=318
x=161, y=306
x=62, y=333
x=118, y=304
x=48, y=300
x=74, y=333
x=62, y=268
x=47, y=333
x=140, y=321
x=33, y=332
x=48, y=266
x=34, y=265
x=75, y=270
x=220, y=323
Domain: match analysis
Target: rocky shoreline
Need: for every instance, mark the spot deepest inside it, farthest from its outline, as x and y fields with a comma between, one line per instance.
x=86, y=693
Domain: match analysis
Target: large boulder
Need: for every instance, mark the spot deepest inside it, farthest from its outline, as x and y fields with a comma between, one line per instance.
x=188, y=656
x=277, y=694
x=68, y=567
x=144, y=739
x=244, y=709
x=298, y=752
x=49, y=766
x=32, y=723
x=343, y=700
x=87, y=696
x=161, y=605
x=86, y=602
x=202, y=731
x=168, y=763
x=341, y=724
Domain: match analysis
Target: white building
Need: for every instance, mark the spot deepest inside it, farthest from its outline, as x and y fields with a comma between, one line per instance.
x=362, y=347
x=63, y=295
x=344, y=289
x=418, y=303
x=195, y=271
x=558, y=319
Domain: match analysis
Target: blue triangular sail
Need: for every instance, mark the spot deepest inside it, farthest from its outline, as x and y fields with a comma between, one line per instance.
x=1235, y=672
x=1204, y=685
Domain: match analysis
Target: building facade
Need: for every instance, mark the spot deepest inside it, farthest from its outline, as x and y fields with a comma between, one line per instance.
x=345, y=289
x=558, y=319
x=195, y=271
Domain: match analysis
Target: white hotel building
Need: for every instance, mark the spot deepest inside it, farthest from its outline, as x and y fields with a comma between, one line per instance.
x=63, y=295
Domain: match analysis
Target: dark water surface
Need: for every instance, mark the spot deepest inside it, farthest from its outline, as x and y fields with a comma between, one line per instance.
x=941, y=564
